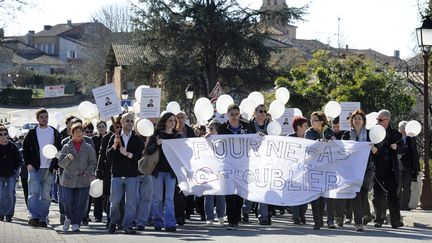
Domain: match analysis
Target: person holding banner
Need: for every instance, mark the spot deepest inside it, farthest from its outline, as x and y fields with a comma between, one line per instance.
x=387, y=173
x=78, y=161
x=360, y=204
x=164, y=177
x=40, y=168
x=234, y=125
x=300, y=126
x=209, y=200
x=258, y=124
x=320, y=130
x=124, y=150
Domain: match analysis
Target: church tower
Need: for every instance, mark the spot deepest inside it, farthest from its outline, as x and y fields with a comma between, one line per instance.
x=279, y=28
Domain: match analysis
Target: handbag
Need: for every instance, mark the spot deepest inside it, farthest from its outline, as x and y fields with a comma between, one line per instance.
x=148, y=162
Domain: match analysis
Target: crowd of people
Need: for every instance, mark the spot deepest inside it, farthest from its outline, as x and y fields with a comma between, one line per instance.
x=132, y=201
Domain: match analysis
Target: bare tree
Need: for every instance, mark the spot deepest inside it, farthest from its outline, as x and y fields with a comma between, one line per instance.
x=115, y=17
x=9, y=8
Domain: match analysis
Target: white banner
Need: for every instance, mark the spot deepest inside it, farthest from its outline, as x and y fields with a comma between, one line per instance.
x=276, y=170
x=54, y=91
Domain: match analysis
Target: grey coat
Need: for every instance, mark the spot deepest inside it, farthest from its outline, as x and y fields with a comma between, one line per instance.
x=77, y=172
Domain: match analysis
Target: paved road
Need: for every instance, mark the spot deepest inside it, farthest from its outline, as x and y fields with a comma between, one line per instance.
x=282, y=230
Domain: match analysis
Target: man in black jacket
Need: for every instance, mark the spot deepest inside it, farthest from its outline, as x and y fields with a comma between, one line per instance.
x=387, y=173
x=124, y=151
x=409, y=165
x=40, y=169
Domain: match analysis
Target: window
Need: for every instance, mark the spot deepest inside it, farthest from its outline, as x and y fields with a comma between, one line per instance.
x=71, y=55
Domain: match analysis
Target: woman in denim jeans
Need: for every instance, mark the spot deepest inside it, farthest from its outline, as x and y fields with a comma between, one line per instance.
x=78, y=159
x=10, y=161
x=164, y=176
x=209, y=200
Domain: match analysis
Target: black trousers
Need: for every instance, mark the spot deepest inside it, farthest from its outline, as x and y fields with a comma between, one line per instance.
x=234, y=205
x=385, y=194
x=179, y=204
x=348, y=209
x=24, y=184
x=100, y=206
x=405, y=194
x=318, y=206
x=360, y=205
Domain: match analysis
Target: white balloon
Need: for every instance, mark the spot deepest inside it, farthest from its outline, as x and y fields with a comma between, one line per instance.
x=199, y=102
x=276, y=109
x=96, y=188
x=257, y=97
x=204, y=112
x=247, y=107
x=274, y=128
x=332, y=109
x=94, y=112
x=13, y=131
x=49, y=151
x=282, y=94
x=163, y=113
x=145, y=127
x=371, y=119
x=223, y=102
x=85, y=108
x=59, y=117
x=377, y=133
x=136, y=107
x=298, y=112
x=173, y=107
x=138, y=92
x=413, y=128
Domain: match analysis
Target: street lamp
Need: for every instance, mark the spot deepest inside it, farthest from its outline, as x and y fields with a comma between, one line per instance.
x=189, y=92
x=125, y=96
x=424, y=38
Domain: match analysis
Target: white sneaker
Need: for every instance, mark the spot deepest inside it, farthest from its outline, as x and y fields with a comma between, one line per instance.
x=221, y=221
x=66, y=224
x=209, y=222
x=75, y=227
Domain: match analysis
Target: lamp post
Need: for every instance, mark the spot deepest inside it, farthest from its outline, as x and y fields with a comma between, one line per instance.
x=125, y=96
x=424, y=37
x=189, y=92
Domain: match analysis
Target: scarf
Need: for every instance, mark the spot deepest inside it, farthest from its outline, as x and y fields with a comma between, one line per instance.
x=362, y=136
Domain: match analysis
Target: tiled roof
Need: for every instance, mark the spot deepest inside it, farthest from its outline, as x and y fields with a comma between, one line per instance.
x=57, y=30
x=123, y=55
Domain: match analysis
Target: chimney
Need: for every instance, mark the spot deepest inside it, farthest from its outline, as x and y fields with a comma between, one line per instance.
x=396, y=54
x=30, y=35
x=69, y=23
x=47, y=27
x=346, y=47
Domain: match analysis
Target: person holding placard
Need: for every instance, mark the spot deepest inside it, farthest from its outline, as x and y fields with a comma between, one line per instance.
x=320, y=130
x=40, y=169
x=9, y=164
x=234, y=202
x=410, y=165
x=78, y=161
x=124, y=151
x=387, y=173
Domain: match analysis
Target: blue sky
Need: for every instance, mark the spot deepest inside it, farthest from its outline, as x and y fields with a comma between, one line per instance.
x=382, y=25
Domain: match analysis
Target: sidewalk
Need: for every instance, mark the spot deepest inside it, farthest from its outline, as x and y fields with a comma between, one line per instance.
x=19, y=231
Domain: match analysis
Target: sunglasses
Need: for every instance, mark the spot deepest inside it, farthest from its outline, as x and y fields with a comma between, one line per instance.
x=262, y=111
x=129, y=121
x=4, y=134
x=381, y=120
x=88, y=132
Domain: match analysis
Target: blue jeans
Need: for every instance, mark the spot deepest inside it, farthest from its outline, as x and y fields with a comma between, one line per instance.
x=127, y=187
x=75, y=203
x=7, y=196
x=39, y=201
x=167, y=219
x=262, y=209
x=145, y=195
x=209, y=202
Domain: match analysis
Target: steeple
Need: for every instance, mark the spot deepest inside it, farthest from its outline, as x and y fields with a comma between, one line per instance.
x=273, y=4
x=277, y=25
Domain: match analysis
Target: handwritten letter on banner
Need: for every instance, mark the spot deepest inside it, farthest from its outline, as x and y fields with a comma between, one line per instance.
x=272, y=169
